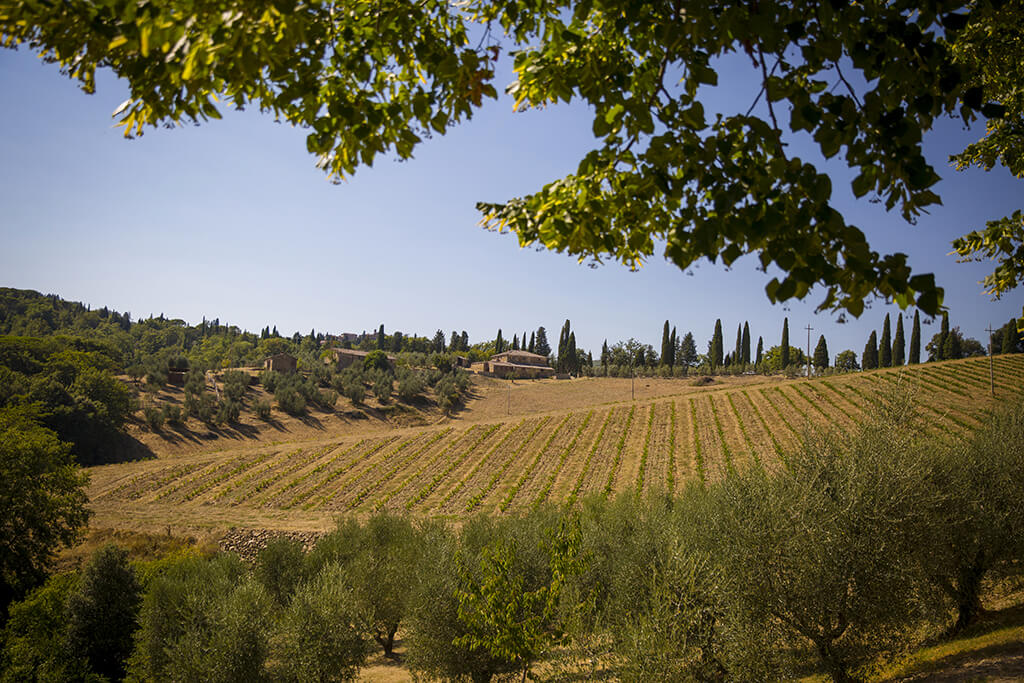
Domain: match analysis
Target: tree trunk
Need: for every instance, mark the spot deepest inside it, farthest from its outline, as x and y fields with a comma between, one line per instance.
x=386, y=639
x=969, y=595
x=834, y=662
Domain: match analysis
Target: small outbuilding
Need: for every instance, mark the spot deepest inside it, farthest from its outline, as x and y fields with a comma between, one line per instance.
x=280, y=362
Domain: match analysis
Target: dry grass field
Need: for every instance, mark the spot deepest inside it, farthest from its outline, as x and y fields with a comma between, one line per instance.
x=515, y=446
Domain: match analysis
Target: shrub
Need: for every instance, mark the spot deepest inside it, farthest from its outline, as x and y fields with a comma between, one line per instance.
x=228, y=411
x=101, y=614
x=173, y=414
x=205, y=408
x=236, y=383
x=382, y=384
x=327, y=398
x=411, y=384
x=290, y=401
x=269, y=380
x=319, y=637
x=262, y=409
x=154, y=417
x=280, y=568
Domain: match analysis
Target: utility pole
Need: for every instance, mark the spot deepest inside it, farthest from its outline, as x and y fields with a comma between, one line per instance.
x=809, y=328
x=991, y=372
x=508, y=405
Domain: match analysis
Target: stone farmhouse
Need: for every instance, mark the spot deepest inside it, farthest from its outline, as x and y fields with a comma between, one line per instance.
x=516, y=365
x=280, y=362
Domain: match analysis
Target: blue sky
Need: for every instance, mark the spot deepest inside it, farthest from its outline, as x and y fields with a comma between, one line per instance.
x=232, y=219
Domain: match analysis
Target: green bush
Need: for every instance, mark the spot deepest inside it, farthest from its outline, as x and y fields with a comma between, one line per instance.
x=173, y=414
x=382, y=385
x=262, y=409
x=327, y=399
x=290, y=400
x=154, y=417
x=228, y=412
x=235, y=383
x=269, y=380
x=411, y=384
x=102, y=613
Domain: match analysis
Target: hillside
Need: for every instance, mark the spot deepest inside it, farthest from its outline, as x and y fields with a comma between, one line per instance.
x=598, y=440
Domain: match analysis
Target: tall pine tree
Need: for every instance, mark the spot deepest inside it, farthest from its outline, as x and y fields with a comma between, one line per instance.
x=869, y=361
x=532, y=348
x=605, y=355
x=515, y=342
x=745, y=351
x=785, y=343
x=563, y=342
x=716, y=345
x=499, y=343
x=821, y=354
x=687, y=351
x=737, y=353
x=915, y=340
x=1008, y=344
x=453, y=345
x=885, y=345
x=673, y=344
x=542, y=347
x=899, y=344
x=760, y=351
x=381, y=339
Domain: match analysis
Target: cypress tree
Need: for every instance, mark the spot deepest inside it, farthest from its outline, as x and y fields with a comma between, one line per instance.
x=885, y=345
x=940, y=352
x=951, y=347
x=533, y=342
x=563, y=342
x=716, y=345
x=821, y=354
x=515, y=342
x=785, y=343
x=499, y=343
x=760, y=351
x=745, y=351
x=869, y=361
x=673, y=344
x=737, y=354
x=439, y=342
x=380, y=337
x=464, y=341
x=1009, y=341
x=898, y=344
x=453, y=345
x=915, y=340
x=572, y=363
x=605, y=355
x=665, y=353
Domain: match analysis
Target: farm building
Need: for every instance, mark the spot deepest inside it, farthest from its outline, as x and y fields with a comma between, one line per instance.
x=517, y=365
x=461, y=362
x=343, y=358
x=280, y=362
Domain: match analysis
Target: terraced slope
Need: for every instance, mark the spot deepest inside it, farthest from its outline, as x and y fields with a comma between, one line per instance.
x=505, y=466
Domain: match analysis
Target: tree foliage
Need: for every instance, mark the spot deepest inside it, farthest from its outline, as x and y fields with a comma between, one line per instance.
x=661, y=171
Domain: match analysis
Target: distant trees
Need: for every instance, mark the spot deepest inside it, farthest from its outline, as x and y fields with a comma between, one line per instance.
x=437, y=345
x=869, y=359
x=846, y=361
x=1006, y=339
x=885, y=345
x=716, y=351
x=914, y=356
x=687, y=356
x=899, y=344
x=954, y=345
x=745, y=346
x=772, y=360
x=541, y=346
x=821, y=354
x=784, y=359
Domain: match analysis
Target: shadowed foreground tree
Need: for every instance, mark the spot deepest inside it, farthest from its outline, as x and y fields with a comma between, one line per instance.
x=42, y=493
x=661, y=172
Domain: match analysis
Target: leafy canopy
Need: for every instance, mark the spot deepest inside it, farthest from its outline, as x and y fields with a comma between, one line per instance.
x=369, y=78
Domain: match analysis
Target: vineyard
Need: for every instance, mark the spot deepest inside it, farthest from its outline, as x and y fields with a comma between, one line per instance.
x=513, y=465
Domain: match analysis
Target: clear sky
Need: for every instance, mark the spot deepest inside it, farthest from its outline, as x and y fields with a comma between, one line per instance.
x=232, y=219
